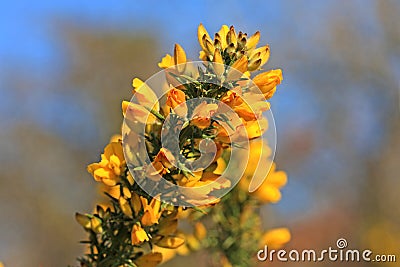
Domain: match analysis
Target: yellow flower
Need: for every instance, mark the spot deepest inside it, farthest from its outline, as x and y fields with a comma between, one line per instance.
x=96, y=225
x=125, y=207
x=178, y=58
x=267, y=82
x=167, y=253
x=256, y=128
x=160, y=164
x=276, y=238
x=83, y=220
x=144, y=95
x=202, y=34
x=202, y=114
x=253, y=40
x=236, y=45
x=89, y=222
x=269, y=189
x=136, y=203
x=176, y=101
x=199, y=192
x=118, y=191
x=249, y=106
x=200, y=231
x=238, y=68
x=152, y=211
x=218, y=62
x=145, y=100
x=1, y=264
x=111, y=165
x=138, y=235
x=258, y=57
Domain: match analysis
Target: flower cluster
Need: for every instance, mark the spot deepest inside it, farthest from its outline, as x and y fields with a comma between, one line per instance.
x=206, y=113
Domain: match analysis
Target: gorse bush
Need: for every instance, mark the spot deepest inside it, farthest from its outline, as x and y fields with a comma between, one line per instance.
x=192, y=165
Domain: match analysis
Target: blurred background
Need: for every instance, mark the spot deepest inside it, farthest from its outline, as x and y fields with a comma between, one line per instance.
x=65, y=66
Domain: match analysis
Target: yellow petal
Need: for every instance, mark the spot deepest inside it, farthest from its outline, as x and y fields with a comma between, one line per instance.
x=231, y=37
x=103, y=173
x=167, y=254
x=203, y=55
x=179, y=57
x=222, y=33
x=200, y=231
x=253, y=40
x=138, y=235
x=238, y=68
x=166, y=62
x=276, y=238
x=125, y=207
x=277, y=178
x=96, y=225
x=268, y=193
x=126, y=192
x=83, y=220
x=114, y=191
x=254, y=65
x=136, y=203
x=138, y=113
x=267, y=81
x=218, y=66
x=209, y=46
x=114, y=148
x=201, y=31
x=193, y=242
x=130, y=179
x=265, y=55
x=125, y=105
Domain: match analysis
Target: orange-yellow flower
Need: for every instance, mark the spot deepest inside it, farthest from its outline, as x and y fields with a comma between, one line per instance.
x=248, y=106
x=276, y=238
x=200, y=231
x=152, y=211
x=89, y=222
x=178, y=58
x=269, y=189
x=145, y=101
x=176, y=101
x=118, y=191
x=198, y=192
x=267, y=82
x=218, y=63
x=125, y=207
x=202, y=114
x=111, y=165
x=160, y=164
x=138, y=235
x=258, y=57
x=238, y=68
x=256, y=128
x=144, y=95
x=253, y=40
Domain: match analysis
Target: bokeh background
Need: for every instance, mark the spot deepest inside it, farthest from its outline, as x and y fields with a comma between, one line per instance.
x=65, y=66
